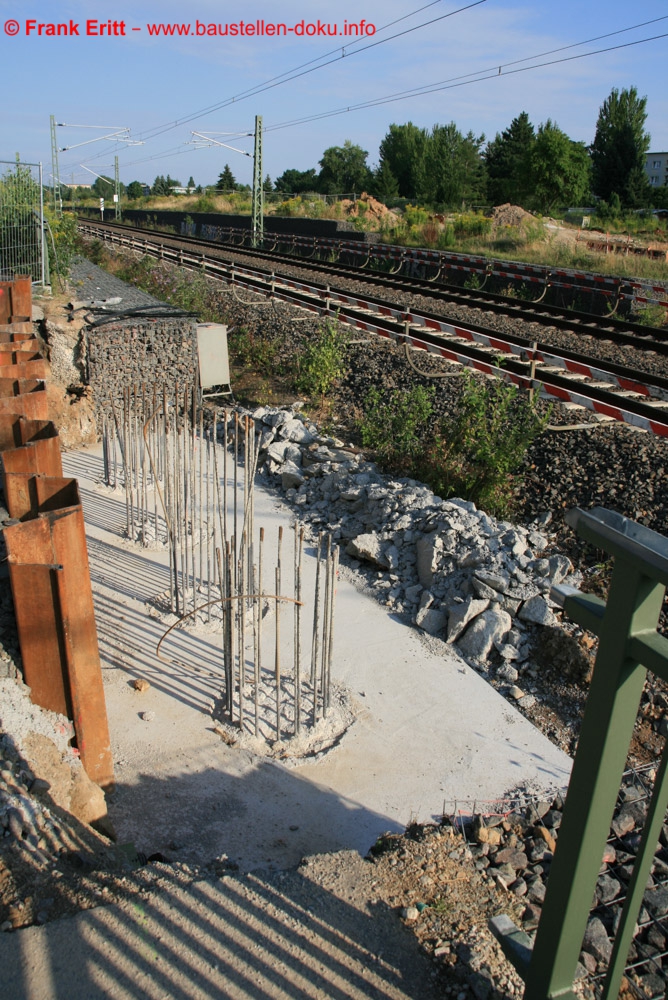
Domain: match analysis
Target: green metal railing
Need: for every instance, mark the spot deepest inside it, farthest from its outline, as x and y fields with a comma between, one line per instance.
x=629, y=645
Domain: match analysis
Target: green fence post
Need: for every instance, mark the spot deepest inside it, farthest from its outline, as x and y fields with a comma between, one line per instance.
x=629, y=643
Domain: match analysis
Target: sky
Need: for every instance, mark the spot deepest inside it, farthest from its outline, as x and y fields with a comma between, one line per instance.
x=480, y=60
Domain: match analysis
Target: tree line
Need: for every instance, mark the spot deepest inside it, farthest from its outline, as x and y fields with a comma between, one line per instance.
x=537, y=168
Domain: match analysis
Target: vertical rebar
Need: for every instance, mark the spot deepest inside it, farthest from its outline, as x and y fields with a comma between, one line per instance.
x=201, y=511
x=277, y=657
x=258, y=664
x=208, y=521
x=325, y=624
x=330, y=644
x=236, y=476
x=316, y=631
x=225, y=446
x=299, y=545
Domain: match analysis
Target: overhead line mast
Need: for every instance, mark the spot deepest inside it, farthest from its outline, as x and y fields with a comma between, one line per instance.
x=258, y=189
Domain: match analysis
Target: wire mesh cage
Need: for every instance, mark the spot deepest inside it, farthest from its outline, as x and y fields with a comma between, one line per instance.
x=22, y=248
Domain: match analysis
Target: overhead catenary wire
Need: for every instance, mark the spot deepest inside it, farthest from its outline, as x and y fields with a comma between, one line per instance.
x=492, y=72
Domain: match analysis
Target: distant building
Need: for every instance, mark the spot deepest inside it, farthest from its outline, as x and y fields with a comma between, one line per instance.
x=85, y=187
x=656, y=168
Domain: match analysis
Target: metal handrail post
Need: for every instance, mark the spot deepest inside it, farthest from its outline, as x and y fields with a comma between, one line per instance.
x=629, y=645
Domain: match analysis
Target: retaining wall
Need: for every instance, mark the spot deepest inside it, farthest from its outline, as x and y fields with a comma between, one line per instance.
x=123, y=353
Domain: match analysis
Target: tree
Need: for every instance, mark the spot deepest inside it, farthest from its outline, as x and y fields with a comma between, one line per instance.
x=507, y=159
x=135, y=190
x=619, y=148
x=267, y=185
x=164, y=185
x=403, y=151
x=560, y=168
x=344, y=169
x=191, y=183
x=104, y=187
x=226, y=181
x=296, y=181
x=454, y=171
x=384, y=184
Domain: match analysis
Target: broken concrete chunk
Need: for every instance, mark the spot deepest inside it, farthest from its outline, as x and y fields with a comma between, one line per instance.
x=537, y=611
x=369, y=547
x=291, y=476
x=489, y=627
x=427, y=550
x=459, y=615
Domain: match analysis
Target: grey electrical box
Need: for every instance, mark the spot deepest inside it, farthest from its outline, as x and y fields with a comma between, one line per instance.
x=214, y=365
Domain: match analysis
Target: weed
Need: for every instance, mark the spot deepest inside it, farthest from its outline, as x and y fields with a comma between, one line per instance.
x=322, y=362
x=253, y=352
x=475, y=453
x=652, y=315
x=393, y=425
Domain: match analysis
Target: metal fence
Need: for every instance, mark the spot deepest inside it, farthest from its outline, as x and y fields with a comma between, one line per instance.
x=22, y=237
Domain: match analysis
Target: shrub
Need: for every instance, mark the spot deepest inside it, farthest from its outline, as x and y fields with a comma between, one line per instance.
x=254, y=352
x=475, y=453
x=322, y=362
x=393, y=425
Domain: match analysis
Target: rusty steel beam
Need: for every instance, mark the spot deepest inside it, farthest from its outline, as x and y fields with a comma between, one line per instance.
x=16, y=299
x=15, y=332
x=5, y=301
x=31, y=368
x=29, y=491
x=26, y=343
x=38, y=620
x=21, y=298
x=24, y=397
x=16, y=431
x=62, y=622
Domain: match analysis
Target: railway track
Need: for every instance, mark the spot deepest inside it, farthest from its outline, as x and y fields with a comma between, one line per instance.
x=620, y=331
x=613, y=391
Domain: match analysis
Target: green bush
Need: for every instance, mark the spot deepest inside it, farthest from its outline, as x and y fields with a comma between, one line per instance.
x=475, y=453
x=256, y=353
x=322, y=362
x=393, y=425
x=65, y=246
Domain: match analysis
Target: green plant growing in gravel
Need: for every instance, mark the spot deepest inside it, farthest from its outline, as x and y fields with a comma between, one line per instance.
x=393, y=425
x=253, y=351
x=655, y=316
x=475, y=452
x=322, y=363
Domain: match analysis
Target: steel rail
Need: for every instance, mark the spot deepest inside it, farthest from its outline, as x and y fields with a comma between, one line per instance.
x=620, y=331
x=617, y=400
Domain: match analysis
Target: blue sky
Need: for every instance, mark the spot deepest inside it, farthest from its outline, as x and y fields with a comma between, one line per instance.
x=145, y=82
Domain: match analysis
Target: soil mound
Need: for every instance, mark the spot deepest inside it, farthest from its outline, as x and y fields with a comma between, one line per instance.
x=510, y=215
x=372, y=209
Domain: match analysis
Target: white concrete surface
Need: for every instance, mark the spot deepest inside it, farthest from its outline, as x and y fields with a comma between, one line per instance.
x=427, y=729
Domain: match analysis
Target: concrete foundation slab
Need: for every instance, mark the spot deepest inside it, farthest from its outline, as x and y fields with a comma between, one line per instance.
x=427, y=728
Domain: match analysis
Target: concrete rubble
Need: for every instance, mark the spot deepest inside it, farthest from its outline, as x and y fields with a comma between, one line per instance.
x=453, y=570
